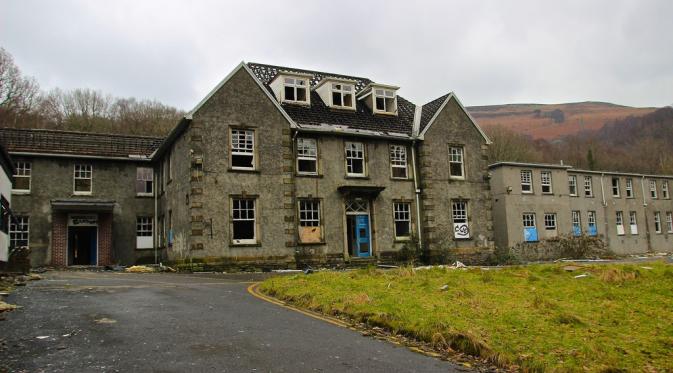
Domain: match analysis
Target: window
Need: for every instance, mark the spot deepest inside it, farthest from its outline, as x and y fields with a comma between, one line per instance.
x=5, y=215
x=545, y=182
x=83, y=179
x=664, y=190
x=398, y=161
x=629, y=188
x=615, y=187
x=529, y=228
x=342, y=95
x=309, y=221
x=588, y=187
x=385, y=101
x=460, y=224
x=307, y=156
x=402, y=217
x=577, y=223
x=456, y=164
x=295, y=90
x=242, y=149
x=657, y=222
x=526, y=181
x=669, y=222
x=22, y=177
x=550, y=221
x=144, y=181
x=633, y=222
x=653, y=189
x=169, y=165
x=243, y=220
x=19, y=232
x=591, y=223
x=355, y=159
x=572, y=185
x=144, y=232
x=619, y=219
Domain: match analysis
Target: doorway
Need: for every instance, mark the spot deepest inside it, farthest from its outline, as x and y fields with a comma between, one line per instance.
x=82, y=245
x=358, y=228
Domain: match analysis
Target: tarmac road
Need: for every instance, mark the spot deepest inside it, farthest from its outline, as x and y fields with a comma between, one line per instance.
x=120, y=322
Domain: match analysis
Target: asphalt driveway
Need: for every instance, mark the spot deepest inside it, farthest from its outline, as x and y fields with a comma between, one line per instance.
x=120, y=322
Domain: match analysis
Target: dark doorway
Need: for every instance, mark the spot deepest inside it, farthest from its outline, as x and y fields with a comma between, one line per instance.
x=82, y=245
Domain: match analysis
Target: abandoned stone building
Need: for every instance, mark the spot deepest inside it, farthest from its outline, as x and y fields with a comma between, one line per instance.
x=632, y=213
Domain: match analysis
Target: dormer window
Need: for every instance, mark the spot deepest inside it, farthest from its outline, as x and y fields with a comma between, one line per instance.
x=380, y=98
x=342, y=95
x=295, y=90
x=386, y=101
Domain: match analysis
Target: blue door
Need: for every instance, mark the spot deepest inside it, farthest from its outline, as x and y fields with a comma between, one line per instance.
x=362, y=237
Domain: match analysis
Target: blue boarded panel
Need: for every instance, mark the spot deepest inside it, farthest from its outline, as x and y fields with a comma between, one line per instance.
x=577, y=230
x=592, y=230
x=362, y=235
x=530, y=234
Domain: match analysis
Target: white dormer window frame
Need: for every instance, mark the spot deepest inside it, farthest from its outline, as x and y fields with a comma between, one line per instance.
x=384, y=100
x=340, y=93
x=293, y=86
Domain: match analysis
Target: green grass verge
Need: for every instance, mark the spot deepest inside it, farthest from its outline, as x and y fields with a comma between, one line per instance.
x=537, y=318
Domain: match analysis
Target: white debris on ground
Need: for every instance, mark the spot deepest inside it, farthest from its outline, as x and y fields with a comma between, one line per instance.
x=455, y=265
x=139, y=269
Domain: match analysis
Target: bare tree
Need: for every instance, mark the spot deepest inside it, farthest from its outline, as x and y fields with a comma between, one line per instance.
x=18, y=94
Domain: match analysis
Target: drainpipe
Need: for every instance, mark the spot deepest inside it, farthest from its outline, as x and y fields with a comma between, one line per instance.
x=293, y=143
x=417, y=191
x=647, y=225
x=603, y=192
x=155, y=226
x=606, y=225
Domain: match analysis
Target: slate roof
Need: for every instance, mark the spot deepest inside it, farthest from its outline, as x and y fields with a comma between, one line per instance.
x=429, y=110
x=77, y=143
x=320, y=114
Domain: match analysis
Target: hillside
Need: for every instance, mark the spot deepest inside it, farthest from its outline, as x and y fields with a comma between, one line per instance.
x=553, y=121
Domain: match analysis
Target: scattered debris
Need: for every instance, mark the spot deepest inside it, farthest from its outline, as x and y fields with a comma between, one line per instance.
x=116, y=268
x=387, y=266
x=139, y=269
x=583, y=275
x=7, y=307
x=42, y=337
x=571, y=268
x=646, y=267
x=163, y=268
x=308, y=271
x=4, y=293
x=458, y=264
x=444, y=287
x=105, y=320
x=287, y=270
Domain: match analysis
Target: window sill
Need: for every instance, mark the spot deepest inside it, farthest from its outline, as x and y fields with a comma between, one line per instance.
x=341, y=108
x=387, y=113
x=20, y=192
x=311, y=243
x=363, y=177
x=302, y=103
x=145, y=248
x=309, y=175
x=80, y=194
x=243, y=170
x=402, y=239
x=255, y=244
x=401, y=179
x=527, y=193
x=457, y=178
x=573, y=195
x=463, y=239
x=547, y=194
x=144, y=195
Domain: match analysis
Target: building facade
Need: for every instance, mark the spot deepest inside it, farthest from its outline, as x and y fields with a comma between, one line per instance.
x=632, y=213
x=6, y=172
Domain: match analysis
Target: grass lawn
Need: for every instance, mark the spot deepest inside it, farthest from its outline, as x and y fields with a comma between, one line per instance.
x=539, y=318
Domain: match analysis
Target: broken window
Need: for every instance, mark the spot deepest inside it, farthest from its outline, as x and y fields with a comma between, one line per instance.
x=572, y=185
x=545, y=182
x=669, y=221
x=309, y=221
x=402, y=217
x=633, y=222
x=398, y=161
x=243, y=220
x=591, y=223
x=83, y=179
x=653, y=189
x=355, y=159
x=550, y=221
x=588, y=187
x=144, y=232
x=307, y=156
x=619, y=219
x=19, y=231
x=144, y=180
x=22, y=177
x=615, y=187
x=529, y=227
x=526, y=181
x=459, y=216
x=657, y=222
x=664, y=190
x=629, y=188
x=295, y=90
x=577, y=223
x=242, y=149
x=385, y=101
x=342, y=95
x=456, y=164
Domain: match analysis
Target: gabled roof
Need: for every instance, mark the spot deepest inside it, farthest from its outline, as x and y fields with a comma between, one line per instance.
x=432, y=109
x=71, y=143
x=319, y=115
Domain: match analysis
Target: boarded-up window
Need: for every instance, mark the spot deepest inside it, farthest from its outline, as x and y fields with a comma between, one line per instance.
x=22, y=177
x=402, y=216
x=309, y=221
x=592, y=229
x=243, y=220
x=144, y=232
x=83, y=179
x=461, y=228
x=619, y=219
x=529, y=227
x=633, y=222
x=242, y=149
x=577, y=223
x=398, y=161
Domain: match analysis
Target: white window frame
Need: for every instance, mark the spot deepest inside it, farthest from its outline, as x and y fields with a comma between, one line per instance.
x=342, y=90
x=588, y=186
x=526, y=180
x=355, y=151
x=307, y=150
x=457, y=157
x=591, y=220
x=80, y=172
x=653, y=189
x=296, y=83
x=144, y=232
x=576, y=220
x=145, y=179
x=20, y=228
x=402, y=214
x=244, y=215
x=616, y=190
x=619, y=222
x=309, y=213
x=669, y=221
x=664, y=190
x=633, y=222
x=242, y=146
x=572, y=184
x=528, y=220
x=398, y=160
x=386, y=94
x=629, y=188
x=546, y=181
x=657, y=222
x=23, y=170
x=460, y=215
x=550, y=222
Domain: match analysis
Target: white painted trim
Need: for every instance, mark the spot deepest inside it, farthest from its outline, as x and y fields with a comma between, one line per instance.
x=34, y=154
x=434, y=117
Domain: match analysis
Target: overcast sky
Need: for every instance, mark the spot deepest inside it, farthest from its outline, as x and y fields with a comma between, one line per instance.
x=488, y=52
